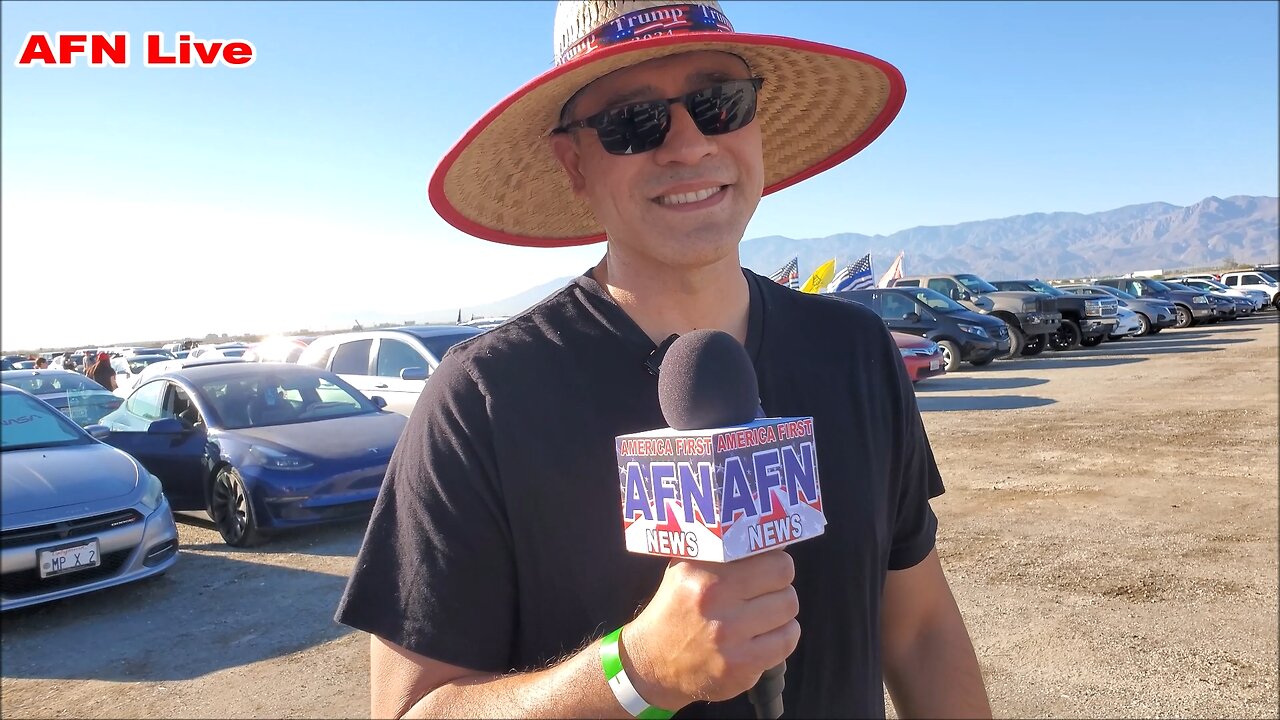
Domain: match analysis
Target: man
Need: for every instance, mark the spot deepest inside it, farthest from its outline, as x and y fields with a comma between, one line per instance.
x=493, y=577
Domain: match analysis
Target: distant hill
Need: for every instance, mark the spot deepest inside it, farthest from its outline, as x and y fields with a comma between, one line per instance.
x=1053, y=245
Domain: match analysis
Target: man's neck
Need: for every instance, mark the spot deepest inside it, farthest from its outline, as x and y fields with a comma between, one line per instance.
x=679, y=301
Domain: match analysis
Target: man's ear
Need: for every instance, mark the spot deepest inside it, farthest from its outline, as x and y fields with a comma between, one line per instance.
x=565, y=148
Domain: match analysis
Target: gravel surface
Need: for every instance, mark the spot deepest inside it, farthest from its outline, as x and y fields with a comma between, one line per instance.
x=1109, y=530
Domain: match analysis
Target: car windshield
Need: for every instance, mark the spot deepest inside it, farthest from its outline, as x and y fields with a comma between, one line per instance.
x=1044, y=287
x=976, y=284
x=29, y=423
x=137, y=363
x=1122, y=294
x=266, y=399
x=438, y=345
x=233, y=352
x=1213, y=284
x=1180, y=286
x=51, y=383
x=936, y=300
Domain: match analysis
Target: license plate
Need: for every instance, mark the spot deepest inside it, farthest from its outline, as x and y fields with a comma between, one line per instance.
x=935, y=364
x=69, y=558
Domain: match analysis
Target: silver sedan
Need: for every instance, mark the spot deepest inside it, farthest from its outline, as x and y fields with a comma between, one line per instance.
x=78, y=515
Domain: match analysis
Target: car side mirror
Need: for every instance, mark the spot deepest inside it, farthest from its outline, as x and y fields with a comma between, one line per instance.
x=413, y=373
x=911, y=317
x=166, y=426
x=379, y=401
x=98, y=432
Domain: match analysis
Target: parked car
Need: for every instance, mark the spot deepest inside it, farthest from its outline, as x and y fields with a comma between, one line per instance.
x=1257, y=298
x=130, y=352
x=961, y=334
x=1031, y=317
x=259, y=446
x=393, y=363
x=81, y=399
x=78, y=516
x=226, y=350
x=1086, y=321
x=1127, y=324
x=1224, y=308
x=1191, y=308
x=129, y=368
x=922, y=358
x=1154, y=314
x=1254, y=280
x=279, y=349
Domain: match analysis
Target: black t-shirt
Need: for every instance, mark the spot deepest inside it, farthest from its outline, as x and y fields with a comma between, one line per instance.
x=496, y=543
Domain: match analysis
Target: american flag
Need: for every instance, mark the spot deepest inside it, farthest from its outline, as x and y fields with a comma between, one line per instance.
x=854, y=277
x=788, y=274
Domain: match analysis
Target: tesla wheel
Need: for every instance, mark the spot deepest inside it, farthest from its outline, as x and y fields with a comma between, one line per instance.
x=1067, y=337
x=1034, y=345
x=1092, y=341
x=950, y=354
x=1144, y=326
x=232, y=510
x=1184, y=318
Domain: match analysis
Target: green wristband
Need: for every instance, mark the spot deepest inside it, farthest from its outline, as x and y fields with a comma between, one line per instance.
x=621, y=685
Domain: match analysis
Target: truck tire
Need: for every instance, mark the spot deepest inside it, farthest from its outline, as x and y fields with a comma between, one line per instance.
x=1067, y=337
x=1034, y=345
x=1092, y=341
x=950, y=354
x=1016, y=341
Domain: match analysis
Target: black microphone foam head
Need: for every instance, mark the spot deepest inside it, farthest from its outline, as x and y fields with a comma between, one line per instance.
x=707, y=381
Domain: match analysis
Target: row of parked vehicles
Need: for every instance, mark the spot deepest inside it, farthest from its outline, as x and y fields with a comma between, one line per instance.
x=974, y=321
x=299, y=430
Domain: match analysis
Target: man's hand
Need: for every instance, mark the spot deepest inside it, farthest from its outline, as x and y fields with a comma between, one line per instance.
x=712, y=629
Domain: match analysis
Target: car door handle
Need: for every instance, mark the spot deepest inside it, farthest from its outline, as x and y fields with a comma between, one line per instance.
x=383, y=386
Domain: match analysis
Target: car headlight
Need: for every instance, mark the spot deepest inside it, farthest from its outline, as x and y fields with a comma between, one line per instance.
x=276, y=460
x=974, y=330
x=1200, y=300
x=152, y=491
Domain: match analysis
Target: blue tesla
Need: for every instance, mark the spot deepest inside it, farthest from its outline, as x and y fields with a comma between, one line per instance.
x=259, y=446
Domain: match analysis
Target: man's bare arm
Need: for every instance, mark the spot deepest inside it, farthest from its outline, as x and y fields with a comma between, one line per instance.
x=929, y=664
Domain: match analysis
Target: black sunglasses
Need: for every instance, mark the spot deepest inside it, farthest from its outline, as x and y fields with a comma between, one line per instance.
x=643, y=126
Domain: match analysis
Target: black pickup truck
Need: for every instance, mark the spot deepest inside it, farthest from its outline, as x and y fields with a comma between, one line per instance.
x=1031, y=317
x=1086, y=320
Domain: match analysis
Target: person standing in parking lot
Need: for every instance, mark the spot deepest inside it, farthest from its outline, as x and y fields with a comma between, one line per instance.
x=494, y=570
x=102, y=372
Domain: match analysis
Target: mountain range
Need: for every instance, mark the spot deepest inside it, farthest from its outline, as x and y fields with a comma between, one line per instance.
x=1053, y=245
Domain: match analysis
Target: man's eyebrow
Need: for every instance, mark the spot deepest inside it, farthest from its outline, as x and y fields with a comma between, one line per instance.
x=694, y=80
x=625, y=96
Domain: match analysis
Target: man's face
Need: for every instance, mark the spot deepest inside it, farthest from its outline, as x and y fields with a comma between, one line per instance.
x=652, y=204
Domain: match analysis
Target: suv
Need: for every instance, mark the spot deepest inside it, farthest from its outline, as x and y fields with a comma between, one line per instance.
x=1253, y=280
x=1191, y=308
x=393, y=363
x=1031, y=317
x=1086, y=321
x=1257, y=298
x=963, y=335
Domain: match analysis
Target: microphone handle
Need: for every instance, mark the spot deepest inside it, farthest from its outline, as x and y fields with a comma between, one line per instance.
x=766, y=694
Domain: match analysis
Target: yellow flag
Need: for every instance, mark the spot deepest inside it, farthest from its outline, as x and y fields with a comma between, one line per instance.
x=820, y=277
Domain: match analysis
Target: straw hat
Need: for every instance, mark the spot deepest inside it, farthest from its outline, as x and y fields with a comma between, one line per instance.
x=819, y=106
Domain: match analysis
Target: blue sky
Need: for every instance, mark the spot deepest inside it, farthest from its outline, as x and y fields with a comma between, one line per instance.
x=292, y=193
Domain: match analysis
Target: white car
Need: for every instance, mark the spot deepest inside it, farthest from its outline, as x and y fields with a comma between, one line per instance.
x=128, y=368
x=1259, y=298
x=1127, y=324
x=1253, y=280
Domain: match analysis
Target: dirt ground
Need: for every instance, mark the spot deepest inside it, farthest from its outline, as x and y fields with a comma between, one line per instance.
x=1109, y=530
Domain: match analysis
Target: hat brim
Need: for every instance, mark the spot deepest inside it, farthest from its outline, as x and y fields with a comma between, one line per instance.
x=819, y=106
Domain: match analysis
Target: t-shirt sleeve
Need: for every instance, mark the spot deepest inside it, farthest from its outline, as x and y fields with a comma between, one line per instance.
x=915, y=526
x=435, y=573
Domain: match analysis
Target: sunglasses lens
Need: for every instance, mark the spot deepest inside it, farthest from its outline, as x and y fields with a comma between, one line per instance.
x=723, y=108
x=634, y=128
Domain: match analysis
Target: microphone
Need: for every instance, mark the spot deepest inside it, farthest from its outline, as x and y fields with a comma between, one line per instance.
x=719, y=484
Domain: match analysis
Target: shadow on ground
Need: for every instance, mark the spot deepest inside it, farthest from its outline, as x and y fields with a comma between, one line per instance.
x=331, y=539
x=955, y=383
x=951, y=403
x=207, y=613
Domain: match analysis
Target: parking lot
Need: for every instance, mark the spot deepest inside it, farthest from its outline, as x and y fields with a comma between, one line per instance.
x=1109, y=529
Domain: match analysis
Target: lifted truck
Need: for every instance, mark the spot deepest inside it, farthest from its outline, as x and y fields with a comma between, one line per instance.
x=1032, y=317
x=1086, y=321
